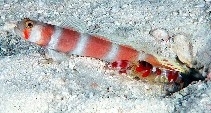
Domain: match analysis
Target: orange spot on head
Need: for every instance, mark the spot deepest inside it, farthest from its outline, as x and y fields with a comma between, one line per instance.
x=26, y=33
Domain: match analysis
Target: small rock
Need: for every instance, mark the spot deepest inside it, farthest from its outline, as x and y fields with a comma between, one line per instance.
x=160, y=34
x=183, y=49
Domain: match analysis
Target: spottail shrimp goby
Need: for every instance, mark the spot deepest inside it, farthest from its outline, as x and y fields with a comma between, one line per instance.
x=70, y=41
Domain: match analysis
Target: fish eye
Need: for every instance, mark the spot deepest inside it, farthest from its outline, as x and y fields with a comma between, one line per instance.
x=29, y=24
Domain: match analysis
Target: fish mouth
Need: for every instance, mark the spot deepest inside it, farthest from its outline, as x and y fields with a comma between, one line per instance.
x=18, y=31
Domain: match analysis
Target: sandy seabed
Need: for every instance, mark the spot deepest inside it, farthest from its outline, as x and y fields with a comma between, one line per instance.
x=81, y=84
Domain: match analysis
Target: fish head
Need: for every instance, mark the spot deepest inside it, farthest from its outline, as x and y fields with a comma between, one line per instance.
x=24, y=27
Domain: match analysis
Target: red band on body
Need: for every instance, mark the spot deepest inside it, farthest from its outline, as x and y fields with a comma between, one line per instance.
x=68, y=40
x=97, y=47
x=127, y=53
x=46, y=33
